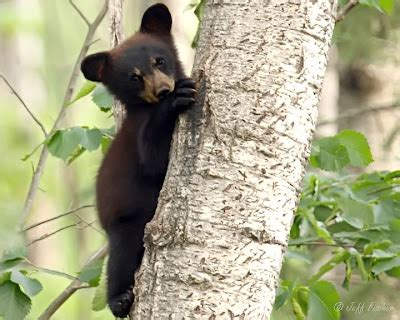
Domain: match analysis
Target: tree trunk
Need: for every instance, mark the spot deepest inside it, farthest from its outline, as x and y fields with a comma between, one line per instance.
x=215, y=247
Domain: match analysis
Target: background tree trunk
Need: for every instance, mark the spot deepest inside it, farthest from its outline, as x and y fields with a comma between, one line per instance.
x=214, y=249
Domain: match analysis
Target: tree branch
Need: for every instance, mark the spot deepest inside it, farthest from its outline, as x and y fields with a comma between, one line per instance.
x=76, y=224
x=341, y=14
x=80, y=13
x=47, y=235
x=57, y=124
x=24, y=105
x=57, y=217
x=116, y=37
x=71, y=288
x=357, y=112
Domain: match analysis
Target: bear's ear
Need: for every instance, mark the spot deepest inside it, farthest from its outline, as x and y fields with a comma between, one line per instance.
x=157, y=19
x=93, y=66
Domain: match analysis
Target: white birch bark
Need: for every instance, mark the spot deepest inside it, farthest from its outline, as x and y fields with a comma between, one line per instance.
x=214, y=249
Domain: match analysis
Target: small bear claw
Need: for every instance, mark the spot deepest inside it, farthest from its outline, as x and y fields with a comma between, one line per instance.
x=185, y=92
x=121, y=305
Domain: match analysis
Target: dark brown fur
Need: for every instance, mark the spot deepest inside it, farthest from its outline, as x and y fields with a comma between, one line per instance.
x=145, y=74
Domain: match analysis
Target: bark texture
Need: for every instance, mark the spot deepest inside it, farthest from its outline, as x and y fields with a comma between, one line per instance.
x=214, y=249
x=116, y=37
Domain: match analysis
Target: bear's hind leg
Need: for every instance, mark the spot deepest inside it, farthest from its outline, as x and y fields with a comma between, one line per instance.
x=125, y=255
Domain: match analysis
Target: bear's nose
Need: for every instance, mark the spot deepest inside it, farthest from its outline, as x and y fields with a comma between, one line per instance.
x=163, y=92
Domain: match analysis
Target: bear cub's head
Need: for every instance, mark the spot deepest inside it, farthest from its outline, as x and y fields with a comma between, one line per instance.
x=143, y=69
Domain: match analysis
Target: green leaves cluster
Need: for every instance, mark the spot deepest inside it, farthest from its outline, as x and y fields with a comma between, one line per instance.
x=356, y=217
x=17, y=286
x=68, y=144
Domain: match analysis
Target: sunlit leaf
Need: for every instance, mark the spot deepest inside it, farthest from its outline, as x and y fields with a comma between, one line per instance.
x=87, y=88
x=14, y=304
x=102, y=98
x=91, y=273
x=322, y=300
x=31, y=286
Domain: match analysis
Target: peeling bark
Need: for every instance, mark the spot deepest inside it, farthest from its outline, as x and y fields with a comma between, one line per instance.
x=215, y=247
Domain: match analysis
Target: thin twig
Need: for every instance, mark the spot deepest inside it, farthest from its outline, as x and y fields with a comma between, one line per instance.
x=394, y=186
x=57, y=217
x=80, y=13
x=24, y=105
x=80, y=225
x=116, y=37
x=49, y=271
x=341, y=14
x=89, y=224
x=320, y=243
x=358, y=112
x=57, y=124
x=72, y=287
x=47, y=235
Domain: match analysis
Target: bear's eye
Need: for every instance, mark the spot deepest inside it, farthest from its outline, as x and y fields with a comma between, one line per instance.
x=160, y=62
x=134, y=78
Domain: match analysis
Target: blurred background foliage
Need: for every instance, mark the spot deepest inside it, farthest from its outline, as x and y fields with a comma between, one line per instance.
x=39, y=43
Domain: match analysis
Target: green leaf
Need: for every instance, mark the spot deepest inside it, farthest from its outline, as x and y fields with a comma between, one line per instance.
x=329, y=154
x=14, y=253
x=91, y=273
x=87, y=88
x=357, y=147
x=348, y=274
x=14, y=304
x=322, y=300
x=340, y=256
x=91, y=139
x=387, y=6
x=386, y=265
x=100, y=296
x=281, y=297
x=31, y=286
x=372, y=3
x=383, y=245
x=356, y=213
x=64, y=142
x=299, y=302
x=361, y=266
x=298, y=255
x=75, y=155
x=8, y=264
x=102, y=98
x=105, y=144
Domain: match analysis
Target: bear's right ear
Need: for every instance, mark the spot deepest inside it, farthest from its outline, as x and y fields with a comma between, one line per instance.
x=157, y=20
x=93, y=66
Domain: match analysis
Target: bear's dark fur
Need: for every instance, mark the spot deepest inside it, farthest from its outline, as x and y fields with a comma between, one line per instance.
x=145, y=74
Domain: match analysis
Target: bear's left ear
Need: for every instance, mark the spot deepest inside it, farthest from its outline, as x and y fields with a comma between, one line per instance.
x=156, y=19
x=93, y=66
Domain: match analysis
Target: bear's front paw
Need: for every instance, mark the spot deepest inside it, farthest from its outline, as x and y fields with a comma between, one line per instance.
x=121, y=304
x=185, y=92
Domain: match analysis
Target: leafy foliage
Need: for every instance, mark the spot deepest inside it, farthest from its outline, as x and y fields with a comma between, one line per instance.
x=357, y=216
x=68, y=144
x=14, y=304
x=380, y=5
x=199, y=6
x=102, y=98
x=91, y=273
x=346, y=148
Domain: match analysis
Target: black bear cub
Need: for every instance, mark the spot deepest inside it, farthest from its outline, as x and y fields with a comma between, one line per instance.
x=145, y=74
